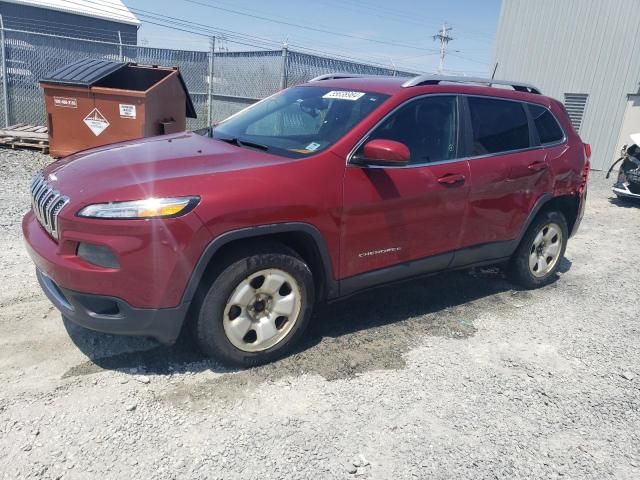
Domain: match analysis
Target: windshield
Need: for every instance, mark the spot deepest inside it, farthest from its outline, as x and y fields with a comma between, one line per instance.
x=299, y=121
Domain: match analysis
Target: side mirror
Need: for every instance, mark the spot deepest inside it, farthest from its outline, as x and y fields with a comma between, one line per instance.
x=382, y=152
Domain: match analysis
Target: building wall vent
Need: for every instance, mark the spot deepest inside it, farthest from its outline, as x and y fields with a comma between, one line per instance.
x=576, y=103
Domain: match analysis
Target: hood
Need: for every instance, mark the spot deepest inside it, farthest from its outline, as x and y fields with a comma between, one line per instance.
x=172, y=165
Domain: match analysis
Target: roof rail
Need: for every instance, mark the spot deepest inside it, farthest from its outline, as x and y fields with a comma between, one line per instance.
x=436, y=79
x=335, y=76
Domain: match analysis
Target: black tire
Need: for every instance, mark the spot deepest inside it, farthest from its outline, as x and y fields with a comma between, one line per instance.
x=208, y=327
x=519, y=270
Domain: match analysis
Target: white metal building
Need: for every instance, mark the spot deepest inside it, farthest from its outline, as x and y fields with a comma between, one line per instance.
x=103, y=20
x=585, y=53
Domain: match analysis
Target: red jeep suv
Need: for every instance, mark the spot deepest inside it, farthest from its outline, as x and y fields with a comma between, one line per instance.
x=312, y=194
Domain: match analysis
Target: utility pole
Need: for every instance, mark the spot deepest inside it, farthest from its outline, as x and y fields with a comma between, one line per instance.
x=212, y=53
x=5, y=83
x=444, y=38
x=285, y=67
x=120, y=56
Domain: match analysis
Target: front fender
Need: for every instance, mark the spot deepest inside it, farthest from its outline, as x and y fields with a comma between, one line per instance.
x=259, y=231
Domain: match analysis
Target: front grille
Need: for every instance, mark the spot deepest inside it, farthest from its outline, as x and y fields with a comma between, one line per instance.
x=633, y=176
x=46, y=203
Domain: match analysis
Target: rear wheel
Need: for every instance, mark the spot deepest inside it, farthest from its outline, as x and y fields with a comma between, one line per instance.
x=257, y=307
x=540, y=252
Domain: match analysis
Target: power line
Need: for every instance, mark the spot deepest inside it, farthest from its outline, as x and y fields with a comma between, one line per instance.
x=170, y=26
x=366, y=8
x=369, y=10
x=216, y=30
x=468, y=59
x=307, y=27
x=206, y=31
x=196, y=2
x=378, y=12
x=202, y=30
x=260, y=44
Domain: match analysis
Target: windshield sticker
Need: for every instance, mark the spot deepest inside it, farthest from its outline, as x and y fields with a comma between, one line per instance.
x=343, y=95
x=313, y=146
x=300, y=150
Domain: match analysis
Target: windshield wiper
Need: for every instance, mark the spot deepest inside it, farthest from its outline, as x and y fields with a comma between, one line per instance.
x=243, y=143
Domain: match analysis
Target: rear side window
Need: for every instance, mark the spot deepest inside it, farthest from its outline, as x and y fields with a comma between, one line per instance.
x=498, y=125
x=547, y=126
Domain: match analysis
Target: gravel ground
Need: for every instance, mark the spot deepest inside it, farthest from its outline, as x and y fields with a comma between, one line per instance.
x=454, y=376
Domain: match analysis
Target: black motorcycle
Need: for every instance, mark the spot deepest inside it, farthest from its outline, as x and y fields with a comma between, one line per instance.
x=628, y=183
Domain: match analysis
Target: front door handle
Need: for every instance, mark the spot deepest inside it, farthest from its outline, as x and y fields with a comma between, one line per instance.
x=452, y=179
x=537, y=166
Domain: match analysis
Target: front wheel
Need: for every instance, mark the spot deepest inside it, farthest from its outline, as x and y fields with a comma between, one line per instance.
x=257, y=307
x=537, y=258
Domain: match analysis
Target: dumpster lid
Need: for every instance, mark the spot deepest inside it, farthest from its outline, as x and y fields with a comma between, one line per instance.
x=84, y=72
x=87, y=72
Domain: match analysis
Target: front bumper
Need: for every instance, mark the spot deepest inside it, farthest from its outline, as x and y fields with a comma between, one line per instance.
x=622, y=190
x=113, y=315
x=156, y=257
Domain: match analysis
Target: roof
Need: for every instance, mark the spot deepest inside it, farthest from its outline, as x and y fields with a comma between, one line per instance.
x=430, y=83
x=378, y=84
x=113, y=10
x=87, y=72
x=422, y=80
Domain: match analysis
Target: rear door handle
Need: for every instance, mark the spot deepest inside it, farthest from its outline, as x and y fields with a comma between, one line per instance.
x=537, y=166
x=452, y=179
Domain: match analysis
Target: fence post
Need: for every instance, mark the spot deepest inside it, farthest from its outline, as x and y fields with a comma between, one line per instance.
x=284, y=71
x=212, y=51
x=5, y=84
x=120, y=56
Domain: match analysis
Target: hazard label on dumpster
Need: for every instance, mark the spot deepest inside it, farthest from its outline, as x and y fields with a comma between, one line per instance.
x=96, y=122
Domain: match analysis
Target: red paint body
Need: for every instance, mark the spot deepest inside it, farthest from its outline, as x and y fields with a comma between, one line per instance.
x=420, y=211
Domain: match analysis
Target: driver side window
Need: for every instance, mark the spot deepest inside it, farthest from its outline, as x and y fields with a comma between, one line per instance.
x=427, y=126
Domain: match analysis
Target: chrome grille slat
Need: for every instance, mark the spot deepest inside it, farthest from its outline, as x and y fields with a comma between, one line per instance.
x=43, y=205
x=50, y=216
x=41, y=199
x=39, y=194
x=41, y=186
x=36, y=187
x=38, y=191
x=35, y=183
x=46, y=203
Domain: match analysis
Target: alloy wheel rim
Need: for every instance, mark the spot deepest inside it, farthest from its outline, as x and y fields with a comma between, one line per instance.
x=262, y=310
x=545, y=250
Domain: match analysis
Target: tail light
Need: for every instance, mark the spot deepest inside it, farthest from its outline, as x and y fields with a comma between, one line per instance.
x=585, y=171
x=587, y=150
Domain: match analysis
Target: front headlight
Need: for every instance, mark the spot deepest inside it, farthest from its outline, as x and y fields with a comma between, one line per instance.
x=148, y=208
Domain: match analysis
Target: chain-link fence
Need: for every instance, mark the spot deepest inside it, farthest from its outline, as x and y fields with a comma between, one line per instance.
x=239, y=78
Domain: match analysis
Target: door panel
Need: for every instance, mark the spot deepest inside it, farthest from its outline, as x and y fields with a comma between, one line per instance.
x=508, y=172
x=395, y=215
x=502, y=193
